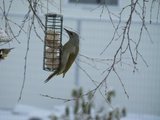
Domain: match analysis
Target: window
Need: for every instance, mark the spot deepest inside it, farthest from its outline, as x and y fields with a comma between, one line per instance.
x=108, y=2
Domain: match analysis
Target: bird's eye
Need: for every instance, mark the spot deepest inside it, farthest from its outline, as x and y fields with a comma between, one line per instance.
x=71, y=33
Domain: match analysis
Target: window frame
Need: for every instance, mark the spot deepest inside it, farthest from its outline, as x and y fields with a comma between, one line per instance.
x=82, y=6
x=93, y=3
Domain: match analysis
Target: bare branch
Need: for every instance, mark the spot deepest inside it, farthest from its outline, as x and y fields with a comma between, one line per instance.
x=26, y=58
x=33, y=8
x=57, y=98
x=121, y=83
x=126, y=32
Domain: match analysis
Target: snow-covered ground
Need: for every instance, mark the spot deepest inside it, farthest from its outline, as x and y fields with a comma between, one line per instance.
x=25, y=112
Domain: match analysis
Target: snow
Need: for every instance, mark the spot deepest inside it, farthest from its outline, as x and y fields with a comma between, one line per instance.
x=25, y=112
x=140, y=117
x=3, y=36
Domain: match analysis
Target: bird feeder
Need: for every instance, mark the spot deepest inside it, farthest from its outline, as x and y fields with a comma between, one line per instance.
x=53, y=41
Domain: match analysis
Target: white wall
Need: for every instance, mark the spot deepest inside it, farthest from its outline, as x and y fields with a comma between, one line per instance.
x=143, y=86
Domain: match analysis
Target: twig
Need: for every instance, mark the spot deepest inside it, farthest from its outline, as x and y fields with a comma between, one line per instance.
x=124, y=88
x=30, y=25
x=57, y=98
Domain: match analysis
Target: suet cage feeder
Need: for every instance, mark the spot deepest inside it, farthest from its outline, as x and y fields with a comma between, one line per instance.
x=53, y=41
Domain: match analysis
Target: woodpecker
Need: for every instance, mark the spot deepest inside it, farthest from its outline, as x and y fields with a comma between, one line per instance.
x=69, y=53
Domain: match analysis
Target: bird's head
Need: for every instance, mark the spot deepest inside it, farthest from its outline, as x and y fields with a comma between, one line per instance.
x=72, y=35
x=4, y=52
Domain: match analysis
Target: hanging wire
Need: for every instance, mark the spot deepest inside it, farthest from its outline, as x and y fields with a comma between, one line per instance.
x=47, y=7
x=60, y=6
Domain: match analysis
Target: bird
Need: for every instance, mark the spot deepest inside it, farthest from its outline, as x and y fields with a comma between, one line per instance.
x=4, y=52
x=69, y=53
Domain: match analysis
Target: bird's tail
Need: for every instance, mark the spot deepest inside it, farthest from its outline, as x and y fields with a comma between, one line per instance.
x=50, y=76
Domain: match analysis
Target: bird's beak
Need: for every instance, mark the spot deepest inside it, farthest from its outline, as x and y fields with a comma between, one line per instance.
x=67, y=30
x=11, y=48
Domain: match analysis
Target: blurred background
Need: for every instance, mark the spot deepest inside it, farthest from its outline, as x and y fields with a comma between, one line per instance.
x=95, y=28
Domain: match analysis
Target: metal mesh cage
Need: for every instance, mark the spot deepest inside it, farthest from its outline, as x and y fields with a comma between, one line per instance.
x=53, y=41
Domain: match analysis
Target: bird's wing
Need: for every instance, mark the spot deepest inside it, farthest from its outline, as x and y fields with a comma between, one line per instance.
x=64, y=59
x=71, y=59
